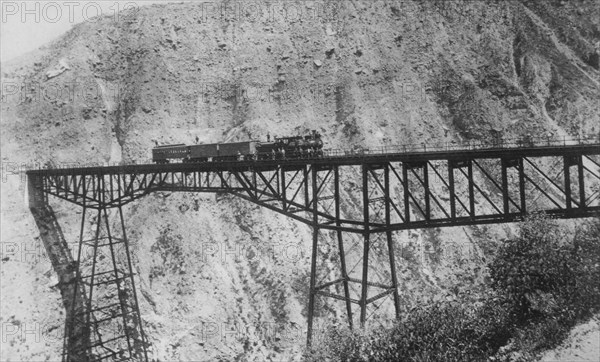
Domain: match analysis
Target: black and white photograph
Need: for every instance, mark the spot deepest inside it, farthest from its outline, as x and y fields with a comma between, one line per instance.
x=300, y=180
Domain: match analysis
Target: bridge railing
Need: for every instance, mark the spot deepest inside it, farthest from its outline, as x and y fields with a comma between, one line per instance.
x=498, y=143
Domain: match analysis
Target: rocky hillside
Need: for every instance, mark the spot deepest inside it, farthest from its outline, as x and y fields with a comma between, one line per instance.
x=365, y=73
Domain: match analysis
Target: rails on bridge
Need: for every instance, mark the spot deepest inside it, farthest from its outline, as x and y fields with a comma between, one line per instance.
x=401, y=188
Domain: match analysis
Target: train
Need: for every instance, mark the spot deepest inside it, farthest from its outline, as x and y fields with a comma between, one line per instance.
x=295, y=147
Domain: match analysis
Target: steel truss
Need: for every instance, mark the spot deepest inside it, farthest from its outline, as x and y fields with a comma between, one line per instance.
x=109, y=309
x=376, y=202
x=398, y=193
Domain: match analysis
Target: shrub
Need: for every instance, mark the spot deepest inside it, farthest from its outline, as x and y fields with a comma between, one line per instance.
x=443, y=331
x=547, y=272
x=543, y=282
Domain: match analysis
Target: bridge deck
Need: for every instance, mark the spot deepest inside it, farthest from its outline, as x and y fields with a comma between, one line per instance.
x=337, y=158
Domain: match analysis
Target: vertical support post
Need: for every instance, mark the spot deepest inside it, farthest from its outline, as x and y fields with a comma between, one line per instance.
x=522, y=186
x=94, y=188
x=471, y=188
x=112, y=195
x=313, y=262
x=406, y=193
x=74, y=188
x=566, y=171
x=277, y=180
x=141, y=343
x=65, y=185
x=120, y=286
x=505, y=195
x=365, y=271
x=283, y=189
x=119, y=189
x=336, y=175
x=94, y=260
x=451, y=190
x=71, y=346
x=390, y=242
x=427, y=191
x=581, y=182
x=306, y=186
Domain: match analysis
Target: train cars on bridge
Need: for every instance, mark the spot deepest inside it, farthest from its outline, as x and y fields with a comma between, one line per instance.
x=308, y=146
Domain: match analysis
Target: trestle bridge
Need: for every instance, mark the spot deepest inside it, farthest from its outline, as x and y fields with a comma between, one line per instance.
x=400, y=188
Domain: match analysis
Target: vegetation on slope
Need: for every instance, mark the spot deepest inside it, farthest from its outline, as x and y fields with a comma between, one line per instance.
x=542, y=283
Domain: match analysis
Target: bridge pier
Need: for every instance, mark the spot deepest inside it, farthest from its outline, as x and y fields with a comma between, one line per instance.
x=103, y=319
x=36, y=197
x=109, y=315
x=376, y=205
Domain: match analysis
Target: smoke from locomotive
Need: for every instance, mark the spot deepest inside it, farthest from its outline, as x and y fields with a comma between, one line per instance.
x=309, y=146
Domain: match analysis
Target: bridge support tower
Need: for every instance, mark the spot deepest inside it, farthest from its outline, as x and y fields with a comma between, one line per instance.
x=357, y=293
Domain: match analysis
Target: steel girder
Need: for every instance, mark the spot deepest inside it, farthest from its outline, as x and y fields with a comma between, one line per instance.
x=433, y=193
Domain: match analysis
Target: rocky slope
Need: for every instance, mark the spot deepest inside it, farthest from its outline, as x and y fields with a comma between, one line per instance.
x=583, y=344
x=361, y=72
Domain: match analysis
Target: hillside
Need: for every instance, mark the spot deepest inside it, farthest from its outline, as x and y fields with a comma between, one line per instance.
x=364, y=73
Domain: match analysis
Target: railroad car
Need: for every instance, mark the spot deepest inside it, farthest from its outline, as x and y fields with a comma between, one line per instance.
x=309, y=146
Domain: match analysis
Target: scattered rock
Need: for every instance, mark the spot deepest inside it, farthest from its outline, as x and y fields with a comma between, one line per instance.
x=330, y=31
x=58, y=70
x=318, y=63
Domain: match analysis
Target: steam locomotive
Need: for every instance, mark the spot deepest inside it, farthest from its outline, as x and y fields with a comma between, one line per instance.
x=309, y=146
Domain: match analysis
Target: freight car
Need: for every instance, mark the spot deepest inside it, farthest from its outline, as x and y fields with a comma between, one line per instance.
x=309, y=146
